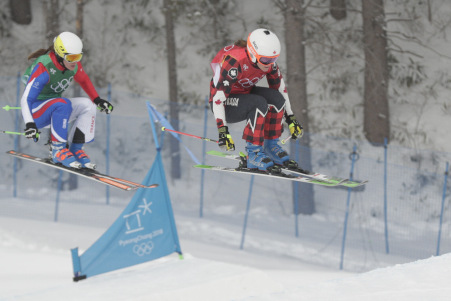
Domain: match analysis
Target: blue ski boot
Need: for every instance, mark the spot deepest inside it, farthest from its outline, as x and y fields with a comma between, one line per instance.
x=60, y=154
x=280, y=156
x=81, y=156
x=276, y=152
x=257, y=159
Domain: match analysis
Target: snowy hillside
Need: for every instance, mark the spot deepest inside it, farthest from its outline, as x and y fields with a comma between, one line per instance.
x=34, y=266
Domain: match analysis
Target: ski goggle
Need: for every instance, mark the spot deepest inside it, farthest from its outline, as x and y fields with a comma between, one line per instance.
x=268, y=60
x=73, y=58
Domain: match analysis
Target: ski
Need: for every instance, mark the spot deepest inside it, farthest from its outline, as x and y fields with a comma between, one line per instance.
x=85, y=172
x=339, y=181
x=280, y=175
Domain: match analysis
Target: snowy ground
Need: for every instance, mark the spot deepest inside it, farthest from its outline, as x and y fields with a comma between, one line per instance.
x=35, y=265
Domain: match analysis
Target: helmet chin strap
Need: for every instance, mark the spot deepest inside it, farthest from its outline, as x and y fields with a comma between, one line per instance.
x=61, y=62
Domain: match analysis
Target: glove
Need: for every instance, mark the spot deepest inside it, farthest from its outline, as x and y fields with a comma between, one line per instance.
x=296, y=129
x=225, y=140
x=103, y=105
x=31, y=131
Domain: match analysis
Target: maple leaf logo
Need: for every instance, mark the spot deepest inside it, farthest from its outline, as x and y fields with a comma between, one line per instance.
x=233, y=73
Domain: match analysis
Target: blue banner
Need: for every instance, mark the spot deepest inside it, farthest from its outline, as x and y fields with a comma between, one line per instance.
x=144, y=231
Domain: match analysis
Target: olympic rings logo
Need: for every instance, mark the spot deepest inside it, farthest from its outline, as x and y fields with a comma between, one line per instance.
x=143, y=248
x=61, y=86
x=247, y=83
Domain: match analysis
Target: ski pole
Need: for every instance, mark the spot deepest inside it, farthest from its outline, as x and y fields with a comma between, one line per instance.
x=7, y=108
x=186, y=134
x=16, y=133
x=283, y=141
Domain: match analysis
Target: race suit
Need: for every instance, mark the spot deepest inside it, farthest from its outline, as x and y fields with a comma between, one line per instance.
x=234, y=96
x=43, y=104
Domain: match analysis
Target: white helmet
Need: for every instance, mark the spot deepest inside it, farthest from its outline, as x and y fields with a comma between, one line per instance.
x=263, y=46
x=68, y=46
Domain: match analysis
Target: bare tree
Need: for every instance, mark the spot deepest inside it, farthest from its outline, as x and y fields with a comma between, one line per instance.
x=169, y=8
x=51, y=14
x=79, y=32
x=73, y=179
x=294, y=14
x=20, y=11
x=376, y=109
x=79, y=18
x=337, y=9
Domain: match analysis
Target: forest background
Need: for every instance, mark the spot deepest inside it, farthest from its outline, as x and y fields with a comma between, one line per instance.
x=341, y=82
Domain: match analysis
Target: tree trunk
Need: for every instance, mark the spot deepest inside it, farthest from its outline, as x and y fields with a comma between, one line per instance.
x=20, y=11
x=73, y=179
x=297, y=89
x=376, y=109
x=337, y=9
x=169, y=7
x=51, y=15
x=79, y=33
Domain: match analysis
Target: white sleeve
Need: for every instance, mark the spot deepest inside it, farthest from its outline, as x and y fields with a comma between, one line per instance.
x=283, y=91
x=218, y=106
x=26, y=110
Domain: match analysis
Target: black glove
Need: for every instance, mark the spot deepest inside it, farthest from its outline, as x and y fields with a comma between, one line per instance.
x=225, y=140
x=31, y=131
x=295, y=127
x=103, y=105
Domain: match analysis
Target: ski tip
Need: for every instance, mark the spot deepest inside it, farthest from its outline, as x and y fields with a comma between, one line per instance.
x=202, y=166
x=153, y=186
x=362, y=183
x=354, y=184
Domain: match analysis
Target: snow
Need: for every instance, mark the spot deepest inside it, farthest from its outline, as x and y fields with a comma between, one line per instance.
x=35, y=262
x=35, y=265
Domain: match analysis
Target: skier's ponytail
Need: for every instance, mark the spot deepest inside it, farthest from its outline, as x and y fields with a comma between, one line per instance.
x=240, y=43
x=39, y=52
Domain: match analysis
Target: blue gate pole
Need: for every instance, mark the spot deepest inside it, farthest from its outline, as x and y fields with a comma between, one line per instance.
x=202, y=175
x=353, y=157
x=387, y=250
x=58, y=190
x=107, y=152
x=443, y=208
x=16, y=138
x=296, y=194
x=247, y=212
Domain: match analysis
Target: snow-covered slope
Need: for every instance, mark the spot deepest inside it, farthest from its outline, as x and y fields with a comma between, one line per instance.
x=35, y=265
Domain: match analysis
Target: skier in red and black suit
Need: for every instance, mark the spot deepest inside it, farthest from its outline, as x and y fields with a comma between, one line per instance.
x=234, y=97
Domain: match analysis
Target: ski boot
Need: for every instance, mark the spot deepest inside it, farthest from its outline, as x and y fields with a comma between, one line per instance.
x=81, y=156
x=257, y=159
x=60, y=154
x=280, y=156
x=276, y=152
